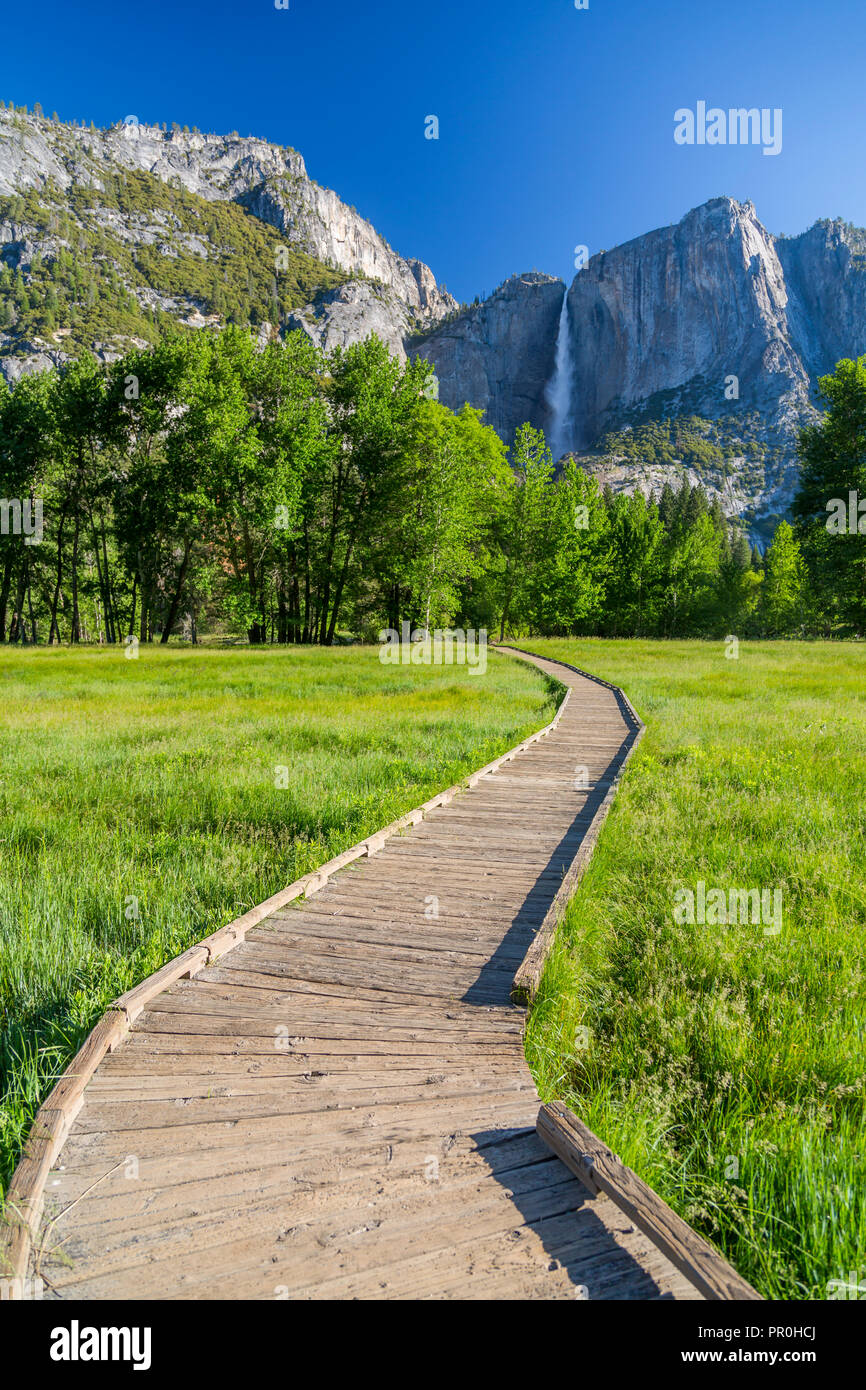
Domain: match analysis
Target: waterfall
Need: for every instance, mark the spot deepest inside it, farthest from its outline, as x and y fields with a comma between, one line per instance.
x=558, y=391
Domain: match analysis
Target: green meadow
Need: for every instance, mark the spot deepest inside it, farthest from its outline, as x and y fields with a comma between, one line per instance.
x=144, y=803
x=726, y=1063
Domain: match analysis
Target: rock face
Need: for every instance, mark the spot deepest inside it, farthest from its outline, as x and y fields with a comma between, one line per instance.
x=315, y=219
x=825, y=275
x=713, y=327
x=681, y=309
x=499, y=355
x=387, y=293
x=659, y=327
x=345, y=315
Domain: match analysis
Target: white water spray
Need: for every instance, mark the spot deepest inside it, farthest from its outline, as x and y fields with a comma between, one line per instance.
x=558, y=391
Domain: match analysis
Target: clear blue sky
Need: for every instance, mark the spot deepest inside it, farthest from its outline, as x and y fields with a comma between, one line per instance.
x=556, y=125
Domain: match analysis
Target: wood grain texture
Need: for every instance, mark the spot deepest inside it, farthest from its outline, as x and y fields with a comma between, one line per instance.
x=528, y=975
x=603, y=1172
x=329, y=1099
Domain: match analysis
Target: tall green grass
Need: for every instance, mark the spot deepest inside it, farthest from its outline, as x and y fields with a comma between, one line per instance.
x=139, y=808
x=724, y=1065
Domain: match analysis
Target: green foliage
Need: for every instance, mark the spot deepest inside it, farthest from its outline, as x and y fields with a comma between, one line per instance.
x=457, y=486
x=526, y=533
x=704, y=445
x=833, y=476
x=723, y=1065
x=679, y=440
x=97, y=285
x=269, y=490
x=141, y=810
x=784, y=584
x=207, y=483
x=622, y=565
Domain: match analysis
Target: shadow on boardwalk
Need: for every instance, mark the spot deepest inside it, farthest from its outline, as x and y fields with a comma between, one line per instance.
x=493, y=985
x=560, y=1212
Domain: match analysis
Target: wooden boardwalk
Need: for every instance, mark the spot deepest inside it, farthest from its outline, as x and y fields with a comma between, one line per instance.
x=340, y=1107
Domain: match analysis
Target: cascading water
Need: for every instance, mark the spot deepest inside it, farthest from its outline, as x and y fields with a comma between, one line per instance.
x=558, y=392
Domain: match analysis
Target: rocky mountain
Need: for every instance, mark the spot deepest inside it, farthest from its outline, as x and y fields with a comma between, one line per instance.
x=105, y=235
x=499, y=355
x=694, y=349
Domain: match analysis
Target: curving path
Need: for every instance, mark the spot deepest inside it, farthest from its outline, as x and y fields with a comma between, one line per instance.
x=340, y=1107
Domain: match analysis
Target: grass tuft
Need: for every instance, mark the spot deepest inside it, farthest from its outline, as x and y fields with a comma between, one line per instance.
x=726, y=1066
x=139, y=808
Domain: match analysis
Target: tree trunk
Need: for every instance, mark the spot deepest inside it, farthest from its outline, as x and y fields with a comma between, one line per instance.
x=344, y=573
x=338, y=596
x=296, y=609
x=4, y=593
x=130, y=627
x=30, y=606
x=112, y=606
x=100, y=579
x=104, y=581
x=308, y=631
x=17, y=631
x=145, y=600
x=322, y=626
x=54, y=630
x=175, y=603
x=76, y=616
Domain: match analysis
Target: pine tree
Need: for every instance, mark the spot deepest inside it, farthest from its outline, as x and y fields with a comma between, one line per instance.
x=784, y=576
x=717, y=515
x=667, y=506
x=833, y=467
x=741, y=552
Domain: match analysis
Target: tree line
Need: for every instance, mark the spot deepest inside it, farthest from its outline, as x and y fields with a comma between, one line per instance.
x=209, y=486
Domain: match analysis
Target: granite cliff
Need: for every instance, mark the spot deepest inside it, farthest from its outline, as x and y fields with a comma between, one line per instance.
x=694, y=351
x=197, y=228
x=499, y=355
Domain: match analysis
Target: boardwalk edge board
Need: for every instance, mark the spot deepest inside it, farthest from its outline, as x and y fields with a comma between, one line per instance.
x=603, y=1172
x=24, y=1199
x=527, y=978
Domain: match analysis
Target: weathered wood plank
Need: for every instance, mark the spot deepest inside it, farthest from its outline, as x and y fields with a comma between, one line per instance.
x=286, y=1085
x=600, y=1169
